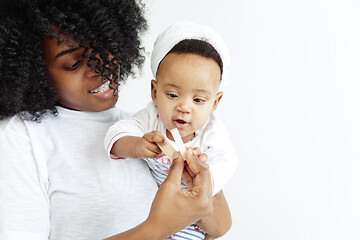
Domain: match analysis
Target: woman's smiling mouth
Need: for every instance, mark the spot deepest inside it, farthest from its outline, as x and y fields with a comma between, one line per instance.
x=105, y=92
x=103, y=88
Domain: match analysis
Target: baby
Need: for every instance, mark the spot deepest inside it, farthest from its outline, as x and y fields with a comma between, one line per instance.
x=188, y=63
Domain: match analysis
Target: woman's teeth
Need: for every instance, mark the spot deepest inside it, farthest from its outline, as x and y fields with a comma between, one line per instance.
x=103, y=88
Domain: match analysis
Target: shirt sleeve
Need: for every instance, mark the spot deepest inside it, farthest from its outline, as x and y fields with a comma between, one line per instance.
x=24, y=201
x=136, y=125
x=222, y=157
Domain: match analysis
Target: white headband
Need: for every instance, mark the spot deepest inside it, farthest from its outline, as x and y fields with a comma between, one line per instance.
x=188, y=30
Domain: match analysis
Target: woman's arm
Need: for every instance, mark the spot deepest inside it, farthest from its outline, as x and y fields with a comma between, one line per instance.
x=24, y=203
x=219, y=221
x=174, y=208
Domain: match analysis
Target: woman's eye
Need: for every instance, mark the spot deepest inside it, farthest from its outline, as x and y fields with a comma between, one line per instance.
x=74, y=66
x=172, y=95
x=199, y=100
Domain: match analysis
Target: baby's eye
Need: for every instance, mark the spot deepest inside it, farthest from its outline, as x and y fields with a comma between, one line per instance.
x=172, y=95
x=74, y=66
x=199, y=100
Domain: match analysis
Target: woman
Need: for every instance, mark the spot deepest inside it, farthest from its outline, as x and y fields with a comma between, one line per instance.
x=60, y=64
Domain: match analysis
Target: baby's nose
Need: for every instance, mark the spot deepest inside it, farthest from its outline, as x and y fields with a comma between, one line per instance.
x=184, y=107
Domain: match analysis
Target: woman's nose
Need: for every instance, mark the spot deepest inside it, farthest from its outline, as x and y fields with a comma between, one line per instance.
x=90, y=73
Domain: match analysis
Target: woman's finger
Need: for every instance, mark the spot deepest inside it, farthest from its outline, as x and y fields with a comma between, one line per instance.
x=188, y=180
x=201, y=179
x=175, y=171
x=192, y=175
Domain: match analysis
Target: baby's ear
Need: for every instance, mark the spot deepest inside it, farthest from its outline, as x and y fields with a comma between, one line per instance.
x=216, y=101
x=153, y=90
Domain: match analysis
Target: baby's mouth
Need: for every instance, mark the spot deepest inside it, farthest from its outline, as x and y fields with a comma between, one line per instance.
x=181, y=124
x=103, y=88
x=180, y=121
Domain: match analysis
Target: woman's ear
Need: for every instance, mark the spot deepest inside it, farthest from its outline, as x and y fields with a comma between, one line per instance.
x=216, y=101
x=153, y=91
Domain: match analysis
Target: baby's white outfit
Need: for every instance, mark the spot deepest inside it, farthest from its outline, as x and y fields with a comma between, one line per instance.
x=211, y=139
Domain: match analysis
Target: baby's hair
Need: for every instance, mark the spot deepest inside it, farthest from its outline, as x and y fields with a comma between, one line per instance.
x=200, y=47
x=100, y=27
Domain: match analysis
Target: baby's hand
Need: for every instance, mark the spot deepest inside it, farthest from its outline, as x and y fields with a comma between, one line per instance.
x=147, y=147
x=202, y=156
x=188, y=174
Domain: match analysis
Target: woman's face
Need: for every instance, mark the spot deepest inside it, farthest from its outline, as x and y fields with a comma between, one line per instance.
x=77, y=86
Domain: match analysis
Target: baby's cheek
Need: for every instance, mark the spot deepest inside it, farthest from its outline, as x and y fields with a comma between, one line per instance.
x=165, y=119
x=202, y=119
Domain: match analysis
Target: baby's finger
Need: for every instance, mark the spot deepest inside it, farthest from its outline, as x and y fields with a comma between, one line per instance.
x=203, y=158
x=150, y=154
x=196, y=151
x=191, y=159
x=155, y=137
x=153, y=148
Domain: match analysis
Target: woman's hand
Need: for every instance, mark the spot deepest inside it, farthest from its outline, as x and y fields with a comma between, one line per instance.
x=174, y=208
x=188, y=174
x=219, y=221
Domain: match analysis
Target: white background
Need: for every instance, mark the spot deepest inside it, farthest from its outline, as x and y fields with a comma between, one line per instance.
x=292, y=111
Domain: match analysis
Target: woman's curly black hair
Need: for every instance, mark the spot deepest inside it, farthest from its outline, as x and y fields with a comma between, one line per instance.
x=101, y=27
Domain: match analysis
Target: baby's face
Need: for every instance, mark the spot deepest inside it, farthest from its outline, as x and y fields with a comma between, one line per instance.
x=185, y=92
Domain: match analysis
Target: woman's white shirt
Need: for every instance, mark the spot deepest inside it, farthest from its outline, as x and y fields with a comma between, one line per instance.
x=56, y=181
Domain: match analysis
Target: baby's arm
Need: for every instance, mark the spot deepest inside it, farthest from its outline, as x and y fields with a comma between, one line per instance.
x=122, y=138
x=138, y=147
x=222, y=157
